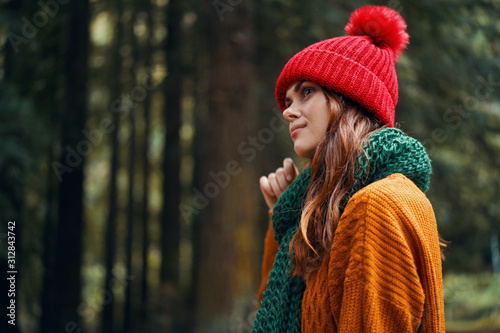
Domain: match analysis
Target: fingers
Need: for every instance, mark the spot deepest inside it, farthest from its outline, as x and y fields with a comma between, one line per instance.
x=267, y=192
x=273, y=183
x=277, y=182
x=272, y=186
x=291, y=170
x=265, y=187
x=281, y=179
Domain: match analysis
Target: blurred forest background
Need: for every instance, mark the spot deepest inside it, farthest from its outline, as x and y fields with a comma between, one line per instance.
x=133, y=134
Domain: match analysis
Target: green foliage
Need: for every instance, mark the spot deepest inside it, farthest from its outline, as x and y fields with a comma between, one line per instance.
x=471, y=300
x=20, y=140
x=449, y=100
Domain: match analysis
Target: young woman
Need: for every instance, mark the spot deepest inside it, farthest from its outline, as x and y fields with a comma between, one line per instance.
x=352, y=244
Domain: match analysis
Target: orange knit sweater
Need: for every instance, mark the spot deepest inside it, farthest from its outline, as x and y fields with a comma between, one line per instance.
x=384, y=270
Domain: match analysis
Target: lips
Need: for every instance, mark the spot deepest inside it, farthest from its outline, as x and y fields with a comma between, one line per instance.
x=295, y=129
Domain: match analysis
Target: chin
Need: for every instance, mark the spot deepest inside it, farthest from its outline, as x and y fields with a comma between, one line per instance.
x=304, y=151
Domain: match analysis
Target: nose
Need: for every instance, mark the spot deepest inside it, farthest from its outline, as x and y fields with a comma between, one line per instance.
x=291, y=113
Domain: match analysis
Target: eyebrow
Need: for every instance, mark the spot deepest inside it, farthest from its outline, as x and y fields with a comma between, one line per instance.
x=296, y=89
x=298, y=85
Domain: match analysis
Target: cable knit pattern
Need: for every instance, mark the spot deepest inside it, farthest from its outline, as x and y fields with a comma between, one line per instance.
x=384, y=270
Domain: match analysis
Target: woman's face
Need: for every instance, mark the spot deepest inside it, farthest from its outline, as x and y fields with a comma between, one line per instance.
x=308, y=112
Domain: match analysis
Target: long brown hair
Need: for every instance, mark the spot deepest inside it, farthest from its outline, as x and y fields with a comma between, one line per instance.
x=332, y=177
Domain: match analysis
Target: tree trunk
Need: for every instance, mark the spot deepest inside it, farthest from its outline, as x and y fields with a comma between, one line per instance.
x=110, y=233
x=62, y=313
x=170, y=224
x=224, y=197
x=48, y=248
x=128, y=319
x=145, y=162
x=144, y=276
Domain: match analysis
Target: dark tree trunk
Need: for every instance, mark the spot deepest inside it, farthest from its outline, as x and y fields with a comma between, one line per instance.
x=170, y=224
x=131, y=199
x=62, y=312
x=144, y=271
x=128, y=316
x=110, y=233
x=128, y=319
x=145, y=162
x=48, y=248
x=224, y=178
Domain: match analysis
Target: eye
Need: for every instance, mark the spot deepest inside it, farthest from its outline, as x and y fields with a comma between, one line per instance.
x=307, y=91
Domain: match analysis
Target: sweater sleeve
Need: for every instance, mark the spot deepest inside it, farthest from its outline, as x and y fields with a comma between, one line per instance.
x=385, y=277
x=270, y=250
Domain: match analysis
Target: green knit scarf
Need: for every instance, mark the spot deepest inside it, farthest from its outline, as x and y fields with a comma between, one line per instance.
x=389, y=151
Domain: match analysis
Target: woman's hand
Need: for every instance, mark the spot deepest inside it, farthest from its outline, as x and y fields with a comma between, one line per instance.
x=277, y=182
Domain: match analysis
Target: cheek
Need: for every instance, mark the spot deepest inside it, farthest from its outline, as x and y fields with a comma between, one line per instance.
x=322, y=116
x=322, y=125
x=319, y=135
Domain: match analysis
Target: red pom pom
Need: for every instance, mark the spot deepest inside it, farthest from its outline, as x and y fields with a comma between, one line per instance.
x=383, y=25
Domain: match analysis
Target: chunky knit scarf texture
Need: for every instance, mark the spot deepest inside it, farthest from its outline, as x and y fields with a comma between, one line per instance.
x=389, y=151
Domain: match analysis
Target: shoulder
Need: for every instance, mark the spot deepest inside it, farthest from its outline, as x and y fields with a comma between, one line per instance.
x=392, y=207
x=393, y=211
x=395, y=193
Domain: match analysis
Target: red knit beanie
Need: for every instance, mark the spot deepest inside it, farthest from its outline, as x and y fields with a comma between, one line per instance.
x=359, y=66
